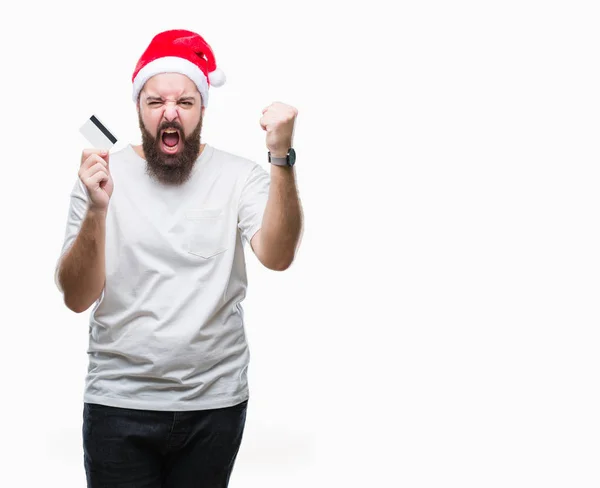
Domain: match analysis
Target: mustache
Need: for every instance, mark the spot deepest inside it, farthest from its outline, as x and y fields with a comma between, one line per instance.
x=171, y=125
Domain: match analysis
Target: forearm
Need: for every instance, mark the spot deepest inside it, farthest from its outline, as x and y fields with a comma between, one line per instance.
x=82, y=271
x=282, y=220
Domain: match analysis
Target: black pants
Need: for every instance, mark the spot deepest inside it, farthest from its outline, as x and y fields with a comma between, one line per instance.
x=129, y=448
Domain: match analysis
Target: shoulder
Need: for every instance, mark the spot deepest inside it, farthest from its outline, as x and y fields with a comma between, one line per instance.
x=240, y=165
x=125, y=153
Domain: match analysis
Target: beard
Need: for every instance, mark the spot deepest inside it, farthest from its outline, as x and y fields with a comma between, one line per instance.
x=170, y=169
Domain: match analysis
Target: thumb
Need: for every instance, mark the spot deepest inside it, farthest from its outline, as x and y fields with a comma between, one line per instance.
x=263, y=123
x=106, y=156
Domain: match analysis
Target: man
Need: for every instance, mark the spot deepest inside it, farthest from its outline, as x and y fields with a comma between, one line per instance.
x=155, y=238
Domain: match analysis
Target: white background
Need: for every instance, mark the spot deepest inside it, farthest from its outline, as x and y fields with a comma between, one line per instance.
x=439, y=326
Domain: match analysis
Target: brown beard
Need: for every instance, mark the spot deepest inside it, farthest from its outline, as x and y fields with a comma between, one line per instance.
x=170, y=169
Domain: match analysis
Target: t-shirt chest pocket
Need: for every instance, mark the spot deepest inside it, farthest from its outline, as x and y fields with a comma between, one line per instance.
x=206, y=231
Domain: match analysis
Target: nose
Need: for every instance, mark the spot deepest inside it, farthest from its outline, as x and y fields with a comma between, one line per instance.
x=171, y=112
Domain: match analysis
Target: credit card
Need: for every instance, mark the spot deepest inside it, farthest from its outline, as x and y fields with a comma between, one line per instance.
x=97, y=134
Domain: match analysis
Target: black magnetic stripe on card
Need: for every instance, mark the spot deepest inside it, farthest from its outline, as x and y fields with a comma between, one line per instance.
x=104, y=130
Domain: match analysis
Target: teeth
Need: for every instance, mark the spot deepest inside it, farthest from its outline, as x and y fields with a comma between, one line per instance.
x=170, y=131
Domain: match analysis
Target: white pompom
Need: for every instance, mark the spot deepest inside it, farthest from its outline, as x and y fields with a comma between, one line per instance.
x=217, y=78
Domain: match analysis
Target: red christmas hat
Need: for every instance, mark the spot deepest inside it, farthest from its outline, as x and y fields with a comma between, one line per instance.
x=178, y=51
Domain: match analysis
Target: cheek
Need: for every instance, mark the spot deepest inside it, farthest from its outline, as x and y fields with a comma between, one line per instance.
x=151, y=122
x=190, y=123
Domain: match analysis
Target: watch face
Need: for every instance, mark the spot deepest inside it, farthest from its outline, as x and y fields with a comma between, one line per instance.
x=292, y=156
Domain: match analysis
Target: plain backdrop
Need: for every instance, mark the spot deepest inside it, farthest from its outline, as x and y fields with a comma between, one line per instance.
x=440, y=325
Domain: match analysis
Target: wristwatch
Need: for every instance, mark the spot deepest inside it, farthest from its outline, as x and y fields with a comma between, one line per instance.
x=289, y=160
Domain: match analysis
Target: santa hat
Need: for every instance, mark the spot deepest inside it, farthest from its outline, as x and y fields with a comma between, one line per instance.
x=178, y=51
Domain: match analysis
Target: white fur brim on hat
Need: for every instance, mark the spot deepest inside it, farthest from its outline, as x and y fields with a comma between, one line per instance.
x=171, y=64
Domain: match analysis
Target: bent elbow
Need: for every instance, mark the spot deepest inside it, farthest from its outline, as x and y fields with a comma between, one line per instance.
x=281, y=265
x=75, y=306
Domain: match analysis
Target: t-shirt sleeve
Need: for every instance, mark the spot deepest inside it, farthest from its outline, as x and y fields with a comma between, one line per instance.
x=253, y=201
x=77, y=211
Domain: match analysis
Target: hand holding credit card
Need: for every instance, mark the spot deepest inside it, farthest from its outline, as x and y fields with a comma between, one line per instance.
x=94, y=171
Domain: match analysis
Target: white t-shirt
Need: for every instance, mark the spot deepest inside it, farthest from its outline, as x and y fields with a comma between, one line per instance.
x=167, y=332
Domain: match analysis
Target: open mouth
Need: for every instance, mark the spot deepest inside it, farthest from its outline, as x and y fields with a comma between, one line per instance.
x=170, y=141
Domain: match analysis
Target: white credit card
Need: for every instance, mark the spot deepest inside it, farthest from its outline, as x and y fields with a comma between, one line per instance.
x=97, y=134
